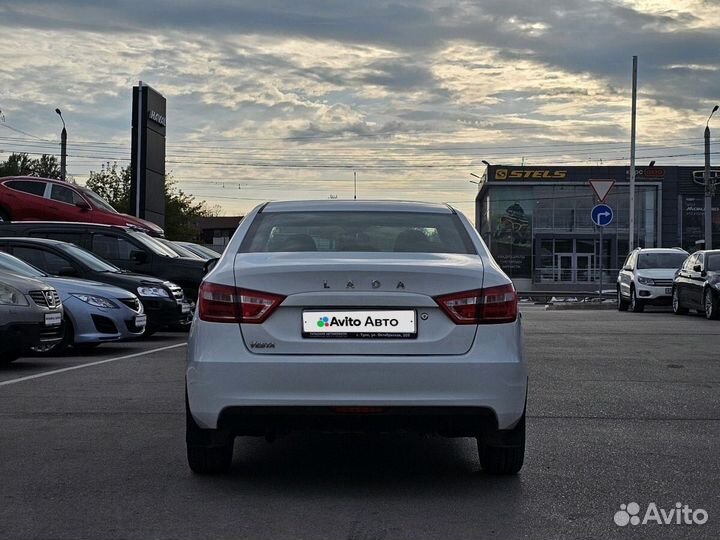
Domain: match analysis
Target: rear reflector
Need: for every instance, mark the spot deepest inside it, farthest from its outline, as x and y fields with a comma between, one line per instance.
x=482, y=306
x=225, y=303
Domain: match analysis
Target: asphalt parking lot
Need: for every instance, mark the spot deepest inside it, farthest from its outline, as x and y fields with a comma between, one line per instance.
x=622, y=408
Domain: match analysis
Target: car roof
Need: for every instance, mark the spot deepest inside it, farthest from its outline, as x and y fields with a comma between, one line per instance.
x=357, y=205
x=33, y=240
x=64, y=224
x=40, y=178
x=662, y=250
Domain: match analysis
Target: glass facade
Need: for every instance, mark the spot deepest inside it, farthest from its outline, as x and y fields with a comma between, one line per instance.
x=544, y=232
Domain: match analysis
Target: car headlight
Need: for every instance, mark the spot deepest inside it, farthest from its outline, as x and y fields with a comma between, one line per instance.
x=97, y=301
x=11, y=297
x=645, y=281
x=157, y=292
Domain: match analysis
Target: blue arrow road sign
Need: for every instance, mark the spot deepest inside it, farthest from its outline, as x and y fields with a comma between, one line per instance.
x=601, y=215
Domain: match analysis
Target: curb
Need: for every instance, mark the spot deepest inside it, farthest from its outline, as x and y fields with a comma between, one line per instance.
x=581, y=306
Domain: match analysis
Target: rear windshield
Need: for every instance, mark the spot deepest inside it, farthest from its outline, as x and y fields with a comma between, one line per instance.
x=385, y=232
x=661, y=260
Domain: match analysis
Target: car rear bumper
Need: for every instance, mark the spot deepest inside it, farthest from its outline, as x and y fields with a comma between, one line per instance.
x=224, y=380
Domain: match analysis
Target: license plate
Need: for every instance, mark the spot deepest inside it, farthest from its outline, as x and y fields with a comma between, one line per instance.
x=668, y=290
x=140, y=320
x=360, y=324
x=185, y=308
x=53, y=319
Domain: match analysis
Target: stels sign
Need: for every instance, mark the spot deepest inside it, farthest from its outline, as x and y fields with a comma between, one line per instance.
x=530, y=174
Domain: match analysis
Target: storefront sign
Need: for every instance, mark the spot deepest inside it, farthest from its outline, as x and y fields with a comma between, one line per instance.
x=699, y=176
x=530, y=174
x=650, y=172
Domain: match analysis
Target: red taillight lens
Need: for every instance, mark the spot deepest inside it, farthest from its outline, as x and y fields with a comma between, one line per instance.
x=224, y=303
x=483, y=306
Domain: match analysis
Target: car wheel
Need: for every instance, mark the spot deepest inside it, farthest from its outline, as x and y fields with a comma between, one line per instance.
x=712, y=309
x=636, y=305
x=676, y=306
x=505, y=453
x=209, y=451
x=8, y=357
x=4, y=215
x=622, y=304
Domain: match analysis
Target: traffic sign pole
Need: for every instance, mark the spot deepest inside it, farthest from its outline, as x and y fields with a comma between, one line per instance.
x=601, y=264
x=602, y=216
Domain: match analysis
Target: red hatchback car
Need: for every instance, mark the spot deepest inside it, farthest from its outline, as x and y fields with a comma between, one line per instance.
x=28, y=198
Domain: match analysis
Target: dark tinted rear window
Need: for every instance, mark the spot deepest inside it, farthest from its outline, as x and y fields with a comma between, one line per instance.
x=387, y=232
x=27, y=186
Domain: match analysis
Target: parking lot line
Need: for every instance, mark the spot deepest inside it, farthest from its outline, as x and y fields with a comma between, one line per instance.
x=90, y=364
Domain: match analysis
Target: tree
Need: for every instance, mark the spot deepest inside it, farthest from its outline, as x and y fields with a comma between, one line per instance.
x=46, y=166
x=113, y=185
x=181, y=209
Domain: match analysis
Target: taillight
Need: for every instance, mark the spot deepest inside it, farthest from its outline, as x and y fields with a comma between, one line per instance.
x=482, y=306
x=225, y=303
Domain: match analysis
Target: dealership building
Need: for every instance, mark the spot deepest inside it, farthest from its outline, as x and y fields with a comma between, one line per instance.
x=536, y=220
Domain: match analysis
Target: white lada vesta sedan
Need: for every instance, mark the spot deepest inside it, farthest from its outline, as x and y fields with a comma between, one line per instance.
x=356, y=316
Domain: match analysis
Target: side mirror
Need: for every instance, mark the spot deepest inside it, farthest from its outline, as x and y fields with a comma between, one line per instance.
x=82, y=205
x=67, y=271
x=697, y=268
x=138, y=256
x=210, y=264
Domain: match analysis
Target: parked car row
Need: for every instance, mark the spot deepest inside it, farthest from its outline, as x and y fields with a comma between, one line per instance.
x=662, y=276
x=153, y=286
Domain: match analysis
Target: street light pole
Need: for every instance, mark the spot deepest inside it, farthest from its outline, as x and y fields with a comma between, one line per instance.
x=709, y=185
x=63, y=147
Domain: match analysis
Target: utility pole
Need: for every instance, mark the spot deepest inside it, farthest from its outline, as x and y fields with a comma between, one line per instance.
x=63, y=147
x=709, y=185
x=631, y=243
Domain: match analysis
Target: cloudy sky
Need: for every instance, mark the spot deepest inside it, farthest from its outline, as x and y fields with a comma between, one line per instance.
x=286, y=99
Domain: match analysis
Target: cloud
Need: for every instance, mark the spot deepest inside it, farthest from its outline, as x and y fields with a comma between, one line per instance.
x=424, y=88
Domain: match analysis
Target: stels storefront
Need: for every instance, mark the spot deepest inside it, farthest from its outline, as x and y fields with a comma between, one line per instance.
x=536, y=220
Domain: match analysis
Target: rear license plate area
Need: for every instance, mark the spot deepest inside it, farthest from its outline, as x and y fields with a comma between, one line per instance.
x=359, y=324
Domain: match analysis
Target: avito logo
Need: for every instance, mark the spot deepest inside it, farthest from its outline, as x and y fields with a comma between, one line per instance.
x=345, y=322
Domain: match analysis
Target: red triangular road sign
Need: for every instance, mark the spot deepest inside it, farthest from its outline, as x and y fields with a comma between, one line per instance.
x=602, y=188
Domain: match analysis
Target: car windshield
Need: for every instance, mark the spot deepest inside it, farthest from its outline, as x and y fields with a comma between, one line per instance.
x=92, y=261
x=97, y=200
x=16, y=266
x=712, y=263
x=361, y=231
x=153, y=245
x=660, y=260
x=177, y=248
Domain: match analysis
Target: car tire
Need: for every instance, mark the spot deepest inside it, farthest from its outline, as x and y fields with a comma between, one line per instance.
x=9, y=357
x=676, y=306
x=711, y=304
x=636, y=305
x=503, y=454
x=4, y=215
x=622, y=304
x=209, y=451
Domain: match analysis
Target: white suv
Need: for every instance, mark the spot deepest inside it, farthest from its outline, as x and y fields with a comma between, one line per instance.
x=647, y=277
x=356, y=316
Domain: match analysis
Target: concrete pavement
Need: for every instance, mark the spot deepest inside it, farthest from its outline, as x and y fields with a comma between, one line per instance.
x=623, y=407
